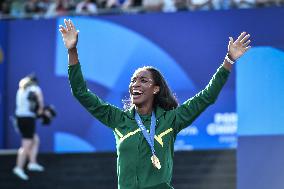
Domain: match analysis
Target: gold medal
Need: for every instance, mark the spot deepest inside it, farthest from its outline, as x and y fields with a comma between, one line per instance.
x=156, y=162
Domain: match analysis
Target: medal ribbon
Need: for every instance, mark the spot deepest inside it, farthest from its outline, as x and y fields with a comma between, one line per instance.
x=147, y=136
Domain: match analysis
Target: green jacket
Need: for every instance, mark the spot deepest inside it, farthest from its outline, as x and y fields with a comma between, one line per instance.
x=134, y=166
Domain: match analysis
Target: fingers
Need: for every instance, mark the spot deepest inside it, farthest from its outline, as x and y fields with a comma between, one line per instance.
x=246, y=43
x=241, y=37
x=245, y=38
x=247, y=48
x=72, y=25
x=62, y=29
x=231, y=41
x=67, y=24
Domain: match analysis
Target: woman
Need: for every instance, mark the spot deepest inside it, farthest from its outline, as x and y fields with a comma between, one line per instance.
x=145, y=159
x=29, y=104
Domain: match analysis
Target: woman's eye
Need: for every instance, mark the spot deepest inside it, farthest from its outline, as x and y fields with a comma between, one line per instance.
x=144, y=81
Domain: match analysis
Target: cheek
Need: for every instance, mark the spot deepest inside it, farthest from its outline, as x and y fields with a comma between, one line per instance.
x=129, y=87
x=149, y=85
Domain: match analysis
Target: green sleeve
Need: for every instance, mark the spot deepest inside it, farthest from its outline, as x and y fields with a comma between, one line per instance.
x=193, y=107
x=108, y=114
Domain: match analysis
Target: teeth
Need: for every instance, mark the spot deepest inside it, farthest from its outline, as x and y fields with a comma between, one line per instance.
x=137, y=91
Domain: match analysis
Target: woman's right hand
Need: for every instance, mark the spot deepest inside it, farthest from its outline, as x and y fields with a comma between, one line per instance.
x=69, y=34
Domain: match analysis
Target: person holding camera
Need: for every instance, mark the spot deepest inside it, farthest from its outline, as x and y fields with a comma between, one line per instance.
x=29, y=104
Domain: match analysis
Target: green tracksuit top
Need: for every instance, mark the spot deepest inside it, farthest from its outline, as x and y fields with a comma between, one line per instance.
x=134, y=167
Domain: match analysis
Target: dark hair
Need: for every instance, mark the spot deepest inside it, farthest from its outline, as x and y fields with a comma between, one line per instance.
x=164, y=98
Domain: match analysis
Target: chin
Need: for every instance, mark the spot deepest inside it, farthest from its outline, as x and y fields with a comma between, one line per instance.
x=136, y=103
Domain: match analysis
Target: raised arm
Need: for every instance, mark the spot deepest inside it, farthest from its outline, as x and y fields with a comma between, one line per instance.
x=70, y=39
x=236, y=49
x=192, y=108
x=104, y=112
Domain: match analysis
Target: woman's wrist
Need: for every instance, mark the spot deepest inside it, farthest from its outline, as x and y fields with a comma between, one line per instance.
x=228, y=62
x=73, y=56
x=227, y=65
x=229, y=59
x=72, y=49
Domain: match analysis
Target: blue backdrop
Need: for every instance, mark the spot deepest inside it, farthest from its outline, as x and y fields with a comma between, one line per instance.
x=186, y=47
x=260, y=103
x=3, y=43
x=260, y=106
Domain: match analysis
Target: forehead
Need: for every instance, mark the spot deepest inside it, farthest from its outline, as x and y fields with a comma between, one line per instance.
x=142, y=74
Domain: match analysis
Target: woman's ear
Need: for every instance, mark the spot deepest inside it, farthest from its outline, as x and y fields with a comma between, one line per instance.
x=156, y=89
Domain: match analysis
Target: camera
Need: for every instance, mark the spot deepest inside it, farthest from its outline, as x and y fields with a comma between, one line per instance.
x=47, y=115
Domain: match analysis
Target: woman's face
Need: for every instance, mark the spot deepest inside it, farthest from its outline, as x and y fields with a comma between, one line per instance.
x=142, y=88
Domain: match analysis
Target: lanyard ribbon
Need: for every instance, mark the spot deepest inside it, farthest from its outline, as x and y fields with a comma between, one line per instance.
x=147, y=136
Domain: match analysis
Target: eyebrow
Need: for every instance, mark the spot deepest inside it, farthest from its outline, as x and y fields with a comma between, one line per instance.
x=142, y=77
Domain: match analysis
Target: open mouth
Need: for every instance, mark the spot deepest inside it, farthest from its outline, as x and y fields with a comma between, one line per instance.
x=136, y=93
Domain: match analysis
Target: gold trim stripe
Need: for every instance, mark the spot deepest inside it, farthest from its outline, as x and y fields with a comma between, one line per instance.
x=159, y=140
x=118, y=133
x=165, y=132
x=159, y=137
x=129, y=134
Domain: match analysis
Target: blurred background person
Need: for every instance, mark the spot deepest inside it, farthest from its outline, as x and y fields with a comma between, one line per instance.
x=109, y=4
x=153, y=5
x=5, y=7
x=86, y=7
x=169, y=6
x=17, y=9
x=181, y=5
x=159, y=5
x=112, y=4
x=200, y=4
x=60, y=7
x=129, y=4
x=243, y=3
x=265, y=3
x=29, y=104
x=35, y=7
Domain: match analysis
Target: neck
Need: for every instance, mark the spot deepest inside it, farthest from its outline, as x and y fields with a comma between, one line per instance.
x=144, y=110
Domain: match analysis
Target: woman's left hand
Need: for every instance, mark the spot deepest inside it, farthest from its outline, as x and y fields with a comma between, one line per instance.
x=237, y=48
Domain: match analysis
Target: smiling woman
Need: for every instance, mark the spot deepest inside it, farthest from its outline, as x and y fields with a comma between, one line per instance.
x=142, y=90
x=145, y=132
x=148, y=89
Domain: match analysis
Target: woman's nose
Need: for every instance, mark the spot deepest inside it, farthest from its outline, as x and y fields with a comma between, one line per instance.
x=136, y=83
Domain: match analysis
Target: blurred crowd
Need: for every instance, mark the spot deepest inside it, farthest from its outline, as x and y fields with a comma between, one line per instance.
x=50, y=8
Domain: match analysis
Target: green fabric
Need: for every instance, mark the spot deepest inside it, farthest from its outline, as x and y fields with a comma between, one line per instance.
x=134, y=166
